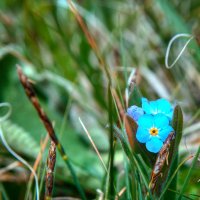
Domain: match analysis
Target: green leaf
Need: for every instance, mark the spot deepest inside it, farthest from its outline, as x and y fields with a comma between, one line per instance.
x=177, y=124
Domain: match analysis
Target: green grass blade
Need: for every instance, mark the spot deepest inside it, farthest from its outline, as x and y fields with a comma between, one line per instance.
x=172, y=177
x=132, y=158
x=177, y=193
x=185, y=184
x=111, y=152
x=71, y=169
x=129, y=182
x=3, y=192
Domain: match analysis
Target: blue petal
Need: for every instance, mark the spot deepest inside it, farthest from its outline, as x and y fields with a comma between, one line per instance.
x=163, y=134
x=153, y=107
x=135, y=112
x=142, y=135
x=149, y=107
x=161, y=121
x=170, y=114
x=158, y=106
x=163, y=106
x=154, y=145
x=146, y=121
x=146, y=106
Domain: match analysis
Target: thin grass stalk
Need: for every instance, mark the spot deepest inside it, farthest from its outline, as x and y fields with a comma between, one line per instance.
x=107, y=182
x=173, y=185
x=138, y=191
x=132, y=185
x=41, y=172
x=48, y=125
x=41, y=175
x=127, y=182
x=94, y=46
x=105, y=68
x=90, y=39
x=110, y=187
x=111, y=151
x=51, y=161
x=93, y=145
x=178, y=193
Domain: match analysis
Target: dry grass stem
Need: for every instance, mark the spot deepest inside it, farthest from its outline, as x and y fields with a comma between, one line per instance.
x=51, y=160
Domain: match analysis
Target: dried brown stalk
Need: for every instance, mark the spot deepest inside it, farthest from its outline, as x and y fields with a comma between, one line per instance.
x=90, y=39
x=161, y=159
x=51, y=160
x=32, y=96
x=49, y=127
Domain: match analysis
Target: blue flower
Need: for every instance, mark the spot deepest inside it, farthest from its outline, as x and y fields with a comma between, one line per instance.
x=158, y=106
x=135, y=112
x=153, y=130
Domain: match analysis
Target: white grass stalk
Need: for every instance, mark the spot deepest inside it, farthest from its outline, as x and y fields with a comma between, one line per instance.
x=9, y=167
x=181, y=52
x=93, y=144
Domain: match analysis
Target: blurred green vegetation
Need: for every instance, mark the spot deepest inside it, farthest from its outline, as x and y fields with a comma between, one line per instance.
x=45, y=38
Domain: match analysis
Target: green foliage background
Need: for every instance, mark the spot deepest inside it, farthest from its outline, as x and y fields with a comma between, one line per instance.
x=46, y=40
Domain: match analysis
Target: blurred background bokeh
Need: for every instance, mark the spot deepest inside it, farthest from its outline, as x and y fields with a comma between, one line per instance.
x=45, y=38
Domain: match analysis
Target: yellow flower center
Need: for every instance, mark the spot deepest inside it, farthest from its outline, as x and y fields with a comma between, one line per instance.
x=153, y=131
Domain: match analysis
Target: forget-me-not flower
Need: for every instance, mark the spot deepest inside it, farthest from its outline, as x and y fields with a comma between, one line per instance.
x=158, y=106
x=153, y=130
x=135, y=112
